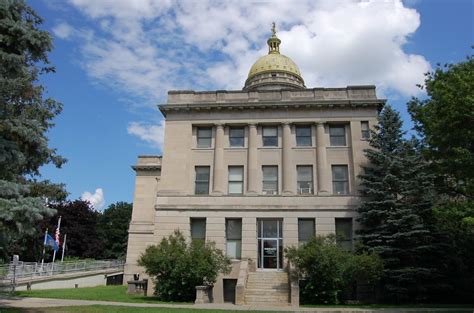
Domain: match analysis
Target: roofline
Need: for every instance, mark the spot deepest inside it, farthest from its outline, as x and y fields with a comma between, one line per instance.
x=379, y=103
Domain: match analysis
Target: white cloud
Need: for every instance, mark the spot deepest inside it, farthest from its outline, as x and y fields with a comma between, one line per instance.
x=144, y=47
x=63, y=30
x=152, y=134
x=96, y=200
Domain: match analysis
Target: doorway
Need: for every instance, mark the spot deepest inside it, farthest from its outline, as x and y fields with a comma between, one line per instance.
x=270, y=243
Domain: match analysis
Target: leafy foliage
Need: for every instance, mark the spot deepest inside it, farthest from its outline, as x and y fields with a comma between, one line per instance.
x=396, y=214
x=329, y=272
x=112, y=227
x=25, y=118
x=79, y=222
x=444, y=120
x=178, y=266
x=455, y=222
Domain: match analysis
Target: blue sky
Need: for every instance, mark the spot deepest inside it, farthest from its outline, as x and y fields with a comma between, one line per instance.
x=116, y=59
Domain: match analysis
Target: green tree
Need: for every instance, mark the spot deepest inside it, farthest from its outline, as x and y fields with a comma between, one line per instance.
x=455, y=222
x=25, y=118
x=444, y=121
x=79, y=222
x=178, y=266
x=112, y=227
x=396, y=214
x=329, y=272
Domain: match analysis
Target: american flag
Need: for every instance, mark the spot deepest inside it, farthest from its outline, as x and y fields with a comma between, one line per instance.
x=56, y=235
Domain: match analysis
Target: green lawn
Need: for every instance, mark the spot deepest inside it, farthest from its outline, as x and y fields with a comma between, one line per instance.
x=118, y=309
x=100, y=293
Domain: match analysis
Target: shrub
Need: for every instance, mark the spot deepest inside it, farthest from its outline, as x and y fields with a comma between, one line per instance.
x=177, y=266
x=329, y=272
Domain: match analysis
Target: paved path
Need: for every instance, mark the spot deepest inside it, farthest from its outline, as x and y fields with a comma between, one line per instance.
x=29, y=303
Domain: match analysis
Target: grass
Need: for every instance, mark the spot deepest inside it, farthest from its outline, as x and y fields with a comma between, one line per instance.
x=117, y=309
x=462, y=307
x=100, y=293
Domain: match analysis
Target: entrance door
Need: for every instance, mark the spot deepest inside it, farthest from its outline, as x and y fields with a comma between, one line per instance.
x=270, y=243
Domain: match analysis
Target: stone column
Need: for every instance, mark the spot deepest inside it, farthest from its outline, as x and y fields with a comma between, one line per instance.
x=252, y=164
x=219, y=171
x=287, y=168
x=323, y=171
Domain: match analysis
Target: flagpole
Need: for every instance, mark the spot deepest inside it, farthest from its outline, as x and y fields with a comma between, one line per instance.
x=64, y=247
x=54, y=254
x=44, y=249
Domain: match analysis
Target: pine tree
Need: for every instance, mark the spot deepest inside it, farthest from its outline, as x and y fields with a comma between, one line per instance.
x=25, y=118
x=395, y=214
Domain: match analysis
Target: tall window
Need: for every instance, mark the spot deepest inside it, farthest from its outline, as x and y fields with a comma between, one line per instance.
x=204, y=137
x=340, y=180
x=303, y=136
x=233, y=231
x=305, y=179
x=236, y=179
x=202, y=180
x=270, y=136
x=236, y=137
x=306, y=229
x=344, y=233
x=337, y=135
x=198, y=229
x=364, y=127
x=270, y=180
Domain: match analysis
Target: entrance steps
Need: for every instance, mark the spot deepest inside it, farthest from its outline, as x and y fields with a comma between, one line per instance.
x=267, y=288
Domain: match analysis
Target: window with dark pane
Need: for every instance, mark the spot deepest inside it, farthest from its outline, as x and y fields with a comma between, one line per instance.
x=337, y=135
x=340, y=180
x=344, y=233
x=202, y=180
x=198, y=229
x=236, y=179
x=236, y=137
x=304, y=179
x=204, y=137
x=270, y=180
x=270, y=136
x=233, y=230
x=306, y=229
x=303, y=136
x=365, y=132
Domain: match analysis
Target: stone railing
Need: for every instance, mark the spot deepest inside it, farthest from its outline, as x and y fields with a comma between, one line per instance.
x=246, y=266
x=294, y=282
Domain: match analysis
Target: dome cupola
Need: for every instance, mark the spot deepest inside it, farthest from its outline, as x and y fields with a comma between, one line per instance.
x=274, y=70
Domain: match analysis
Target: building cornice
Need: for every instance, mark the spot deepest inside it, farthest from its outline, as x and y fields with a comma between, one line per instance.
x=263, y=105
x=146, y=167
x=319, y=98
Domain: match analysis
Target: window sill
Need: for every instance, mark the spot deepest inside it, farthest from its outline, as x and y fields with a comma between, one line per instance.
x=203, y=149
x=269, y=148
x=338, y=147
x=235, y=148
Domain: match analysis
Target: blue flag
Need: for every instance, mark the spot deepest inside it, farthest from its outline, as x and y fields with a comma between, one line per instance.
x=49, y=241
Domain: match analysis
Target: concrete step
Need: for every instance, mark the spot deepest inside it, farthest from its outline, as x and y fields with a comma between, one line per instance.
x=267, y=287
x=266, y=299
x=259, y=292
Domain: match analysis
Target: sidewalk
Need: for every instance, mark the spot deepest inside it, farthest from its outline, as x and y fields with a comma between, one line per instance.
x=19, y=302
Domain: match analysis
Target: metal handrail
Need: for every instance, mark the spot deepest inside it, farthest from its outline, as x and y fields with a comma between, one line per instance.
x=35, y=269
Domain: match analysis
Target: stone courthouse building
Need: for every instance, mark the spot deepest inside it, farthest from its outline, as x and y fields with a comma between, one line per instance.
x=255, y=170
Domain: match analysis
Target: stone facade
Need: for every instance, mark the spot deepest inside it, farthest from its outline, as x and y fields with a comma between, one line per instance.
x=167, y=196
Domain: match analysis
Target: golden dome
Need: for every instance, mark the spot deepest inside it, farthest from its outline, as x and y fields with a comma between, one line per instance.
x=274, y=62
x=274, y=70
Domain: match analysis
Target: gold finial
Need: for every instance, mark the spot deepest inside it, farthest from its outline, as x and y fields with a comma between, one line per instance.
x=273, y=42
